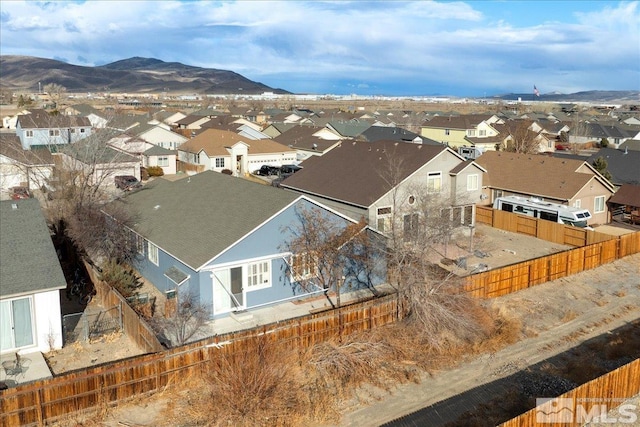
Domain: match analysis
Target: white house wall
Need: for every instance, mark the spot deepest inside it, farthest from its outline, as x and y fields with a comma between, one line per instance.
x=48, y=322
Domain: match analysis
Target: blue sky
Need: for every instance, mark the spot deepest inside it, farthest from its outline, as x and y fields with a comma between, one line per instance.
x=391, y=48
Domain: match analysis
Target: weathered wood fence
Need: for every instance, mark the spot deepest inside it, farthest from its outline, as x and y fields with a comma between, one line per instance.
x=601, y=249
x=42, y=402
x=610, y=389
x=133, y=324
x=545, y=230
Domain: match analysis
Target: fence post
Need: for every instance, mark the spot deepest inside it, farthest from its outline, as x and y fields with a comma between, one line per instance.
x=121, y=317
x=86, y=327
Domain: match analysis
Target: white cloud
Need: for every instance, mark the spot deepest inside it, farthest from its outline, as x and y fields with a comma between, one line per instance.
x=364, y=42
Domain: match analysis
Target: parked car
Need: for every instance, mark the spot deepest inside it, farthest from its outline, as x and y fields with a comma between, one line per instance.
x=18, y=193
x=266, y=170
x=289, y=169
x=127, y=182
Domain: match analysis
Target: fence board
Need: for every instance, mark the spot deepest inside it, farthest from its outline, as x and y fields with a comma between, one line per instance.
x=609, y=389
x=53, y=399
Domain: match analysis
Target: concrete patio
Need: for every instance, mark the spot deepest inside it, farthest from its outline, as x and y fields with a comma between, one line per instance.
x=32, y=367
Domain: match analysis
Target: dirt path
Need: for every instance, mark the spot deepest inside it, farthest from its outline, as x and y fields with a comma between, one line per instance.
x=556, y=316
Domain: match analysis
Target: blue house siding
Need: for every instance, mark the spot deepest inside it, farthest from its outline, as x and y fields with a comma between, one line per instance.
x=155, y=273
x=41, y=137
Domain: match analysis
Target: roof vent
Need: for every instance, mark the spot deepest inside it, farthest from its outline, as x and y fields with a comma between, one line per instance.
x=14, y=206
x=156, y=207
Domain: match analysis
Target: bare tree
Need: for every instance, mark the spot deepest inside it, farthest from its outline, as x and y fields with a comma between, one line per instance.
x=181, y=324
x=326, y=253
x=56, y=92
x=522, y=139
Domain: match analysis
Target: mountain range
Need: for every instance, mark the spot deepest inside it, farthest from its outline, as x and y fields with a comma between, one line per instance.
x=138, y=75
x=149, y=75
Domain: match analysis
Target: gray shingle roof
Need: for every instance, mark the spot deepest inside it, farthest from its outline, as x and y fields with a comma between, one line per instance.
x=624, y=167
x=28, y=260
x=198, y=217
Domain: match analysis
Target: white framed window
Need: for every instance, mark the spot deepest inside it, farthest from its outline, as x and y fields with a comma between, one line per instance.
x=54, y=132
x=497, y=193
x=434, y=182
x=152, y=252
x=577, y=203
x=163, y=161
x=81, y=130
x=447, y=131
x=259, y=275
x=472, y=182
x=482, y=132
x=17, y=326
x=219, y=162
x=28, y=133
x=471, y=132
x=598, y=204
x=384, y=219
x=303, y=266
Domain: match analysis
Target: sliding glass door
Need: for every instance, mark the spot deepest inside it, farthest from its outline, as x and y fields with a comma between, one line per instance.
x=16, y=324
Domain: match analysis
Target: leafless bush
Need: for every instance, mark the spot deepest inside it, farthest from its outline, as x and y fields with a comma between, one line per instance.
x=188, y=318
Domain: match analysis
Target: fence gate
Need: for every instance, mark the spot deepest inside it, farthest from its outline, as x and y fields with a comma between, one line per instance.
x=90, y=325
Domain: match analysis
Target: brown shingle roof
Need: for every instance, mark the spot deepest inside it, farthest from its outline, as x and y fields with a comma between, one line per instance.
x=214, y=142
x=627, y=195
x=354, y=171
x=469, y=121
x=532, y=174
x=39, y=120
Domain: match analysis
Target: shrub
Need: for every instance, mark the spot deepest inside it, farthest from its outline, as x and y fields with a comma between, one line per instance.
x=122, y=278
x=155, y=171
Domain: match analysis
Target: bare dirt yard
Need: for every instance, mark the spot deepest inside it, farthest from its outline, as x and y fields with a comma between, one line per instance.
x=555, y=317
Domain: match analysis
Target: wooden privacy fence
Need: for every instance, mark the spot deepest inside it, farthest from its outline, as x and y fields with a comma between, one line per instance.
x=542, y=229
x=47, y=401
x=133, y=324
x=514, y=277
x=610, y=389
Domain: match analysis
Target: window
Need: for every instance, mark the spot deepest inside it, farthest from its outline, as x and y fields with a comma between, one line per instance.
x=471, y=132
x=411, y=222
x=434, y=182
x=303, y=266
x=16, y=324
x=81, y=130
x=259, y=275
x=54, y=132
x=219, y=162
x=139, y=241
x=152, y=251
x=72, y=130
x=163, y=161
x=472, y=182
x=599, y=204
x=482, y=132
x=384, y=219
x=29, y=133
x=447, y=131
x=577, y=203
x=497, y=193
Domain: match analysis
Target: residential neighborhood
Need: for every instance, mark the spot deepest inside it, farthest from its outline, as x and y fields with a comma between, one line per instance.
x=216, y=220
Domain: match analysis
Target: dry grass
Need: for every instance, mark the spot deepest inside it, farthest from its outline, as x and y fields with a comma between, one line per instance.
x=262, y=383
x=569, y=315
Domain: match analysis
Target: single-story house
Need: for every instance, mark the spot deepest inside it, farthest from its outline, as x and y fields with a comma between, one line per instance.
x=218, y=150
x=31, y=279
x=221, y=239
x=559, y=180
x=20, y=167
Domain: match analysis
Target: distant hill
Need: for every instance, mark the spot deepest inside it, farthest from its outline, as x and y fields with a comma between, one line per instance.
x=604, y=96
x=136, y=75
